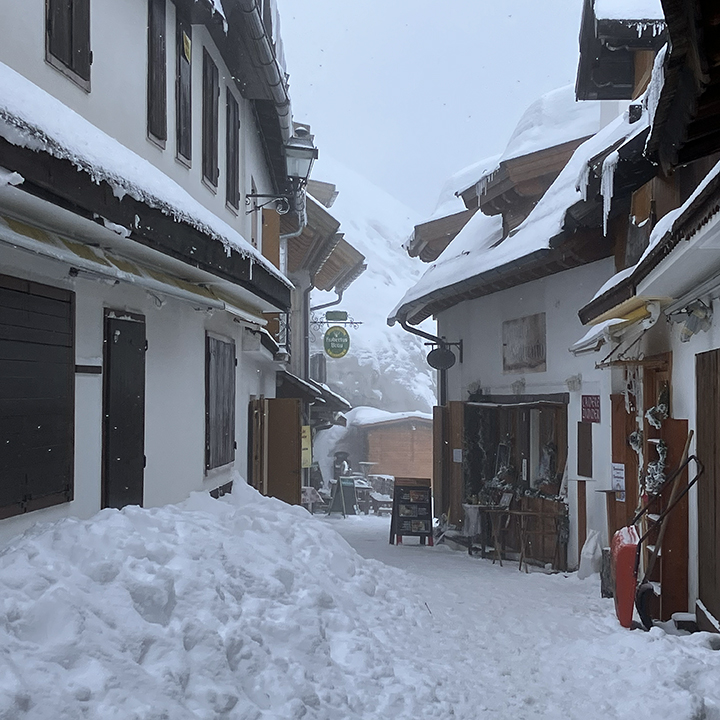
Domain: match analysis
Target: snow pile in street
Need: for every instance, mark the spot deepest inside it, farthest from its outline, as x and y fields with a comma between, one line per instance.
x=245, y=608
x=385, y=367
x=248, y=609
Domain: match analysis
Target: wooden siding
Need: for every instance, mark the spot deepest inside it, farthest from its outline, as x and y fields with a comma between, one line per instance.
x=402, y=449
x=708, y=451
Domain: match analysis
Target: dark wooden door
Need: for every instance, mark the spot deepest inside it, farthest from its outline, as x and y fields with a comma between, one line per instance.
x=124, y=410
x=708, y=452
x=283, y=449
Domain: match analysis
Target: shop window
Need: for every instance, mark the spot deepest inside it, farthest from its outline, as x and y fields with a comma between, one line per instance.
x=210, y=99
x=157, y=73
x=584, y=449
x=232, y=147
x=220, y=375
x=67, y=38
x=183, y=90
x=37, y=395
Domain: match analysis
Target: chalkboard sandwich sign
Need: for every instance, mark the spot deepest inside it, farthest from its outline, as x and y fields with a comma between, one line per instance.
x=412, y=510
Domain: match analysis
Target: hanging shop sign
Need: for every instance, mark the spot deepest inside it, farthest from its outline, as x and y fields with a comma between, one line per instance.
x=337, y=342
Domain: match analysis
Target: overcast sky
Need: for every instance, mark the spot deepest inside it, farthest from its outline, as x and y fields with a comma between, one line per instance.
x=407, y=92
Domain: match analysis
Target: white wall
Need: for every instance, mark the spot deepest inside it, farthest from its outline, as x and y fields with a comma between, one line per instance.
x=117, y=100
x=479, y=324
x=174, y=396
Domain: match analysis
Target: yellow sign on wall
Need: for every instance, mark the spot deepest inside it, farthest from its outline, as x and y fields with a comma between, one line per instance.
x=306, y=446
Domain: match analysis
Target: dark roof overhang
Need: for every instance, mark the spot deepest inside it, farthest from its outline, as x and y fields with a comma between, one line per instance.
x=606, y=69
x=687, y=120
x=59, y=182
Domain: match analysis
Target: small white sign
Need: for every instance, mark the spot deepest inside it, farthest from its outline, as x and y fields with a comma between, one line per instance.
x=457, y=455
x=618, y=481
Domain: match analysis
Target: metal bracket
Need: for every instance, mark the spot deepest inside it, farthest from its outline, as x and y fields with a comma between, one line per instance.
x=444, y=343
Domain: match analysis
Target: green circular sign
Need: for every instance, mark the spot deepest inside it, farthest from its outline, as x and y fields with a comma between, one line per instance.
x=337, y=341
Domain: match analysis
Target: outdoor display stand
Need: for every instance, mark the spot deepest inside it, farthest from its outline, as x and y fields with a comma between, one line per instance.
x=411, y=510
x=344, y=499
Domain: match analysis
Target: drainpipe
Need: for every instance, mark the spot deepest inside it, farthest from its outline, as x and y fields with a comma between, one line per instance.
x=441, y=342
x=331, y=303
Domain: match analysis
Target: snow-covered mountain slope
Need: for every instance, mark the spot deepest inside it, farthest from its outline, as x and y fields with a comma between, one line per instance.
x=385, y=366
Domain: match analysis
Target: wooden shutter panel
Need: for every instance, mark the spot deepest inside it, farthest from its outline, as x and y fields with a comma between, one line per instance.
x=81, y=38
x=37, y=396
x=211, y=92
x=157, y=71
x=584, y=449
x=232, y=172
x=184, y=90
x=220, y=402
x=58, y=29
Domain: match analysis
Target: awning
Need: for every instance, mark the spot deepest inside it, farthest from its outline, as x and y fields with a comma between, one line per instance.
x=291, y=386
x=597, y=336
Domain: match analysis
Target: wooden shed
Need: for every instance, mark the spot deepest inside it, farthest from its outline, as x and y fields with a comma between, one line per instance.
x=400, y=444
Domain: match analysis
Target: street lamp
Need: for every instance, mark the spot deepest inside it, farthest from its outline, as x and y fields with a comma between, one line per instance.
x=300, y=154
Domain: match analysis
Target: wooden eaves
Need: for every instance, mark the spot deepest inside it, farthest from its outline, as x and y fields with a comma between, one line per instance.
x=686, y=125
x=432, y=237
x=606, y=70
x=59, y=182
x=705, y=206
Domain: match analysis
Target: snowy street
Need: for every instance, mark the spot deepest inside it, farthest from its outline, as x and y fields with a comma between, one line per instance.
x=249, y=608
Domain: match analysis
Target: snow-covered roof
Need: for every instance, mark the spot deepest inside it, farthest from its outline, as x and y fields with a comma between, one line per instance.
x=553, y=119
x=449, y=201
x=477, y=249
x=364, y=416
x=629, y=10
x=34, y=119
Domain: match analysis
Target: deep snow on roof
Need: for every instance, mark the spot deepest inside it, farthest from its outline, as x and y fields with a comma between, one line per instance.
x=448, y=202
x=553, y=119
x=364, y=416
x=32, y=118
x=629, y=10
x=475, y=249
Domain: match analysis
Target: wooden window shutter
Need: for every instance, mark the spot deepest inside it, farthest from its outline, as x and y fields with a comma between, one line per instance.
x=183, y=90
x=157, y=72
x=232, y=171
x=584, y=449
x=82, y=57
x=37, y=365
x=219, y=402
x=211, y=91
x=59, y=30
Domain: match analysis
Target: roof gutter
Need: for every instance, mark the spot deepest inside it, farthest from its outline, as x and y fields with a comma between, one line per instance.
x=274, y=75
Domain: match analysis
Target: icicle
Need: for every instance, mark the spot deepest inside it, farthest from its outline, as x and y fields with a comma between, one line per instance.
x=583, y=180
x=607, y=185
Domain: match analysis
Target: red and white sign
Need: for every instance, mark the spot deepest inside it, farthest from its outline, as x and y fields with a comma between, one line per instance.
x=591, y=408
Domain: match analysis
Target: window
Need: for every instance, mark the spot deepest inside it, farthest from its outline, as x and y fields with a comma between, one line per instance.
x=232, y=173
x=219, y=402
x=37, y=391
x=210, y=99
x=183, y=90
x=67, y=38
x=157, y=73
